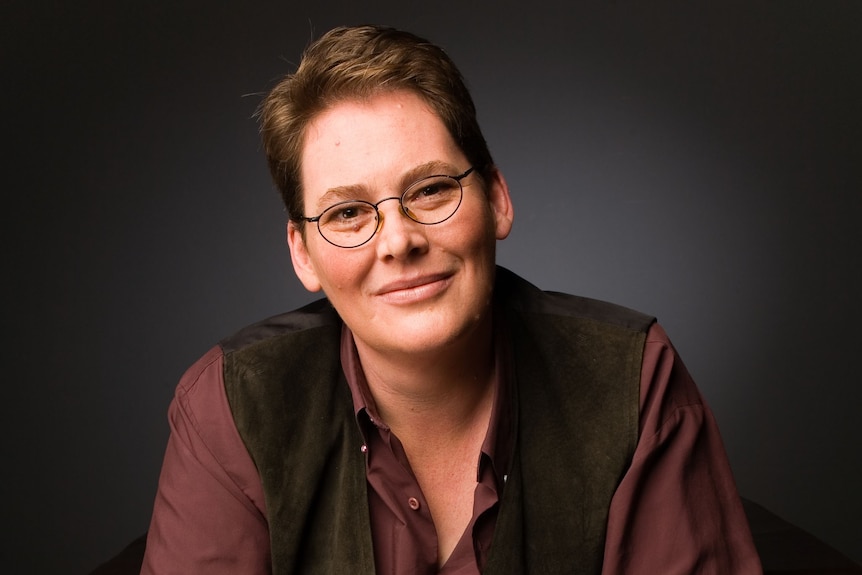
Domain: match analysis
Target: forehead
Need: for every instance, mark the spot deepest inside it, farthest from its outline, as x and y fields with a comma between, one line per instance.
x=373, y=143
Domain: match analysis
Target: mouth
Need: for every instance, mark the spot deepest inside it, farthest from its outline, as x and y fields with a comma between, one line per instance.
x=411, y=290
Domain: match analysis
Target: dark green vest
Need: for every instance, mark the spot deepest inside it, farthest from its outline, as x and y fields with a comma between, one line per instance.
x=577, y=369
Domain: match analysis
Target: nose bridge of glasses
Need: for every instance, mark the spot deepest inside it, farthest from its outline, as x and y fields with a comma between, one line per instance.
x=401, y=208
x=377, y=205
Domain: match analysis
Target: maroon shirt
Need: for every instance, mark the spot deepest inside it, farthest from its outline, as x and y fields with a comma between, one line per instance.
x=405, y=540
x=676, y=510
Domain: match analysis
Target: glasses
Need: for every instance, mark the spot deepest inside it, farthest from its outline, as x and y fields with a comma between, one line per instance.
x=352, y=223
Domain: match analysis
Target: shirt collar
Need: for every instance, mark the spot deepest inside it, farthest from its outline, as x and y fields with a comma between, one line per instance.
x=499, y=439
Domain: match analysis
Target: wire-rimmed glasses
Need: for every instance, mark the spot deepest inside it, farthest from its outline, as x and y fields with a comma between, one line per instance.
x=430, y=200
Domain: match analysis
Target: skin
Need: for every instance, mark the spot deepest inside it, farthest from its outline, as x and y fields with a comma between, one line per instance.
x=417, y=297
x=413, y=291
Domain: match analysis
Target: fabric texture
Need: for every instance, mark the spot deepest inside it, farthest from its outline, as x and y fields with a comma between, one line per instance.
x=664, y=500
x=577, y=373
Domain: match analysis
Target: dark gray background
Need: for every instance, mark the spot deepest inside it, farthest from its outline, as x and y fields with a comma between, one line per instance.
x=700, y=164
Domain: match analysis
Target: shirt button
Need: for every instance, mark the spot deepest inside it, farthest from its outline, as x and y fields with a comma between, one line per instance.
x=413, y=503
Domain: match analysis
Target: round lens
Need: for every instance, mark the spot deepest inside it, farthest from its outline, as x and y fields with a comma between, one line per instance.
x=348, y=224
x=432, y=200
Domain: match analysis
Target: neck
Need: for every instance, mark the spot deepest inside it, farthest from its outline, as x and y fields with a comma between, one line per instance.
x=440, y=394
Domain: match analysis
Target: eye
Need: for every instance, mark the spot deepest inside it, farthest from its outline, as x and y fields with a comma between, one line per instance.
x=432, y=190
x=348, y=215
x=345, y=213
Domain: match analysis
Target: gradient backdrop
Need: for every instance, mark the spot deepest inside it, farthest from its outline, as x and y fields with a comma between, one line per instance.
x=697, y=163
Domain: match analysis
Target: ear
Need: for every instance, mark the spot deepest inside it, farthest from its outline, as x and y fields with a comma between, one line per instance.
x=301, y=258
x=501, y=204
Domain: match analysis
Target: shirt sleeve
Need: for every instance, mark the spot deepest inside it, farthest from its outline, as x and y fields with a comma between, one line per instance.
x=677, y=510
x=209, y=515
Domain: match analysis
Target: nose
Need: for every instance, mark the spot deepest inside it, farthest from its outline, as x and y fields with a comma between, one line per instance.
x=399, y=237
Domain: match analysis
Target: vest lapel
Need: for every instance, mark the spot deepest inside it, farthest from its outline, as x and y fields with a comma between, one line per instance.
x=576, y=430
x=293, y=409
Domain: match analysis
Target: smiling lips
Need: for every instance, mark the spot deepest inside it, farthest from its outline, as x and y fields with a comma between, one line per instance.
x=414, y=289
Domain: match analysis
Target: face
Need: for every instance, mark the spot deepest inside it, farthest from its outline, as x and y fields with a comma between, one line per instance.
x=413, y=288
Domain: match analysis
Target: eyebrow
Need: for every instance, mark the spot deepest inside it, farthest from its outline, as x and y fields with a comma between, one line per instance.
x=432, y=168
x=340, y=194
x=357, y=191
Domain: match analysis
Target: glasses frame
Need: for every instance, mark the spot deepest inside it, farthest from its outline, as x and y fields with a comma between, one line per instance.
x=458, y=178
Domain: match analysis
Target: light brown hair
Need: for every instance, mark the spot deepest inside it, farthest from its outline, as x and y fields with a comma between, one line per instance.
x=357, y=63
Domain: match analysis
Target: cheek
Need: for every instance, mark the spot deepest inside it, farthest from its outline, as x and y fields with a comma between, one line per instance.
x=340, y=271
x=477, y=230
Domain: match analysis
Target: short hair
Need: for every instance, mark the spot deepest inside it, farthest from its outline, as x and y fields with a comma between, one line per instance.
x=358, y=63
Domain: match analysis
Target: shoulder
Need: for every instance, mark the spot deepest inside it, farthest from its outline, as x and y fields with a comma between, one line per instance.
x=282, y=346
x=200, y=383
x=314, y=316
x=204, y=379
x=668, y=392
x=264, y=352
x=282, y=363
x=525, y=298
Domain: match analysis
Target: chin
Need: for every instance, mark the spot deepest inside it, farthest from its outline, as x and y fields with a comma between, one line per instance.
x=434, y=332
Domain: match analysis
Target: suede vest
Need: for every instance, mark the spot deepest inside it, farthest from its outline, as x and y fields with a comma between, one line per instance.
x=577, y=369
